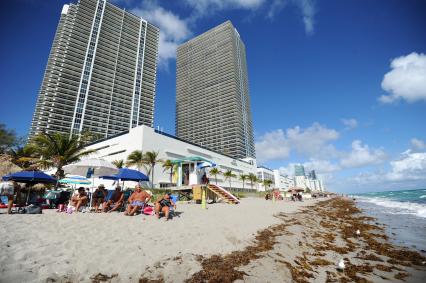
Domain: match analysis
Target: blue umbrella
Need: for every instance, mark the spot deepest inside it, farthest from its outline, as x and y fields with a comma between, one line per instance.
x=126, y=174
x=30, y=177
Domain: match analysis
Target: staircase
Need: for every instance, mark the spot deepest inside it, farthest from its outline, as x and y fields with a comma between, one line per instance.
x=224, y=194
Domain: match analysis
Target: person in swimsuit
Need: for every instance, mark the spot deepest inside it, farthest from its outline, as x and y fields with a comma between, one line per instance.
x=137, y=201
x=98, y=197
x=162, y=205
x=116, y=200
x=79, y=200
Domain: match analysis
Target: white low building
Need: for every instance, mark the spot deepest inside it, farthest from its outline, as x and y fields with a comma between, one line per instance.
x=283, y=182
x=189, y=158
x=264, y=173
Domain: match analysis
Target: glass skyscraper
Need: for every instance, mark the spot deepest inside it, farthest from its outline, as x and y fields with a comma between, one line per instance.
x=212, y=93
x=299, y=170
x=101, y=72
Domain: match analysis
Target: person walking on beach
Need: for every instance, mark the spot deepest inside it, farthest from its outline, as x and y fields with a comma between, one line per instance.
x=116, y=199
x=8, y=189
x=79, y=200
x=137, y=201
x=162, y=205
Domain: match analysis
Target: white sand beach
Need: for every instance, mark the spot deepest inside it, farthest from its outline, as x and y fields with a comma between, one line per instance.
x=61, y=247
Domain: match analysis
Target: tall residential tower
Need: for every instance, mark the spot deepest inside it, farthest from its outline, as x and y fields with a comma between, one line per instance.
x=212, y=93
x=101, y=72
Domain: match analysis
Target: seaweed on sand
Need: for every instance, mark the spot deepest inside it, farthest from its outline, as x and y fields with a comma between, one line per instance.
x=223, y=268
x=98, y=278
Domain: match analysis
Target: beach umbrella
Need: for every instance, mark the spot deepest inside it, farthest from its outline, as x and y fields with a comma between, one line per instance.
x=30, y=177
x=126, y=174
x=75, y=180
x=205, y=164
x=91, y=168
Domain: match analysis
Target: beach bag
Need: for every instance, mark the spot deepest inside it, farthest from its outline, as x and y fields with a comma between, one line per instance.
x=148, y=210
x=31, y=209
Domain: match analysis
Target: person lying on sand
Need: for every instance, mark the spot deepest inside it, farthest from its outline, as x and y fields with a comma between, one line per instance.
x=137, y=201
x=116, y=200
x=162, y=205
x=79, y=200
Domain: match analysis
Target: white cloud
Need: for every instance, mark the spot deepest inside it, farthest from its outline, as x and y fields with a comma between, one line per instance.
x=417, y=144
x=312, y=142
x=350, y=123
x=411, y=166
x=306, y=7
x=204, y=7
x=322, y=166
x=406, y=80
x=361, y=155
x=408, y=171
x=275, y=7
x=273, y=146
x=173, y=29
x=308, y=11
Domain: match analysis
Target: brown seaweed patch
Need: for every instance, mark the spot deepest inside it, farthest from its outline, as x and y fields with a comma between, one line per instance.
x=371, y=257
x=98, y=278
x=401, y=276
x=218, y=268
x=320, y=262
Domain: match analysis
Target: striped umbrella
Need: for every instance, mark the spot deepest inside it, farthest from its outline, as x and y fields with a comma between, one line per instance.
x=75, y=180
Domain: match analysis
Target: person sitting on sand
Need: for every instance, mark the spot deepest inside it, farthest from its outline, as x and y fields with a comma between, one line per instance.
x=79, y=200
x=116, y=200
x=162, y=205
x=137, y=201
x=98, y=197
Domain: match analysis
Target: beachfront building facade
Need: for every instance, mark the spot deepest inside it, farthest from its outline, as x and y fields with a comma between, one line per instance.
x=212, y=93
x=101, y=72
x=282, y=182
x=192, y=161
x=264, y=173
x=313, y=185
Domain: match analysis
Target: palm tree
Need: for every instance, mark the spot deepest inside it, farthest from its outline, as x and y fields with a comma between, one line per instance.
x=24, y=157
x=228, y=176
x=57, y=150
x=243, y=177
x=267, y=183
x=136, y=158
x=253, y=179
x=150, y=159
x=168, y=165
x=118, y=163
x=214, y=172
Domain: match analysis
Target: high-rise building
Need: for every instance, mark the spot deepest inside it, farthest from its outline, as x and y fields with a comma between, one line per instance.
x=212, y=93
x=299, y=170
x=312, y=175
x=101, y=72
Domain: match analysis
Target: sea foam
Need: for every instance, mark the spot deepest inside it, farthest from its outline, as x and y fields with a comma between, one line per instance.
x=398, y=206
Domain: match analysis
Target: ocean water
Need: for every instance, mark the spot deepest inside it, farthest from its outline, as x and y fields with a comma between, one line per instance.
x=403, y=212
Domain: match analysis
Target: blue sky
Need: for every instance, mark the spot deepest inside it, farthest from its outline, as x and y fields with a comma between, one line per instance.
x=339, y=86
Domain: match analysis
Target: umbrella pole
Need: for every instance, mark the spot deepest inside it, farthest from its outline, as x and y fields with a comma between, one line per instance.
x=91, y=193
x=28, y=195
